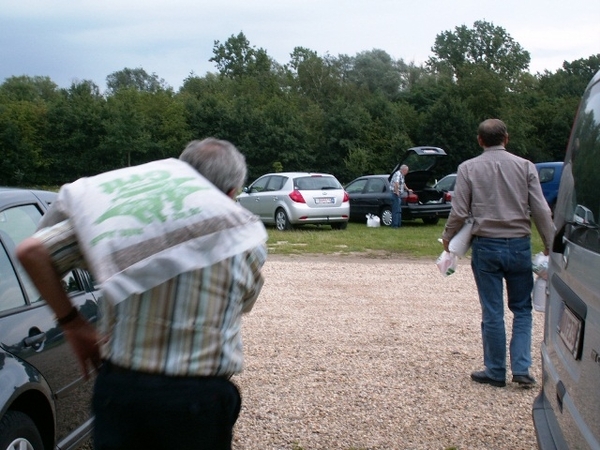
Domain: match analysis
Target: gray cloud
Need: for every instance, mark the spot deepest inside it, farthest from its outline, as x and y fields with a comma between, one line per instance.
x=89, y=40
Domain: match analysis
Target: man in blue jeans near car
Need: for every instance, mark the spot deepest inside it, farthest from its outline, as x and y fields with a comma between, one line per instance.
x=397, y=189
x=501, y=191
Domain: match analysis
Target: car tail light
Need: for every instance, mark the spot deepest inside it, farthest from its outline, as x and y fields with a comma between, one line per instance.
x=296, y=196
x=412, y=198
x=346, y=197
x=447, y=197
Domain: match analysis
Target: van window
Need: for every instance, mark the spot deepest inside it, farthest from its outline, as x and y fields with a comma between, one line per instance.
x=581, y=195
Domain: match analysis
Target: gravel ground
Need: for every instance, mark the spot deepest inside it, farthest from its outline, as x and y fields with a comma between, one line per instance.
x=356, y=352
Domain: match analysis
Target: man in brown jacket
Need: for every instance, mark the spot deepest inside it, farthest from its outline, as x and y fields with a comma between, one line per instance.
x=502, y=192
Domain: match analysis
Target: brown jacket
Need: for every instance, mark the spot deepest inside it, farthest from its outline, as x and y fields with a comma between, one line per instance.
x=502, y=192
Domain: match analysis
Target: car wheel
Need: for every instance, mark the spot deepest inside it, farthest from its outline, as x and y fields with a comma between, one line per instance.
x=339, y=226
x=18, y=432
x=386, y=216
x=281, y=220
x=431, y=220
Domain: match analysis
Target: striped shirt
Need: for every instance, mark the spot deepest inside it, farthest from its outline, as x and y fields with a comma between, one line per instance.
x=502, y=192
x=187, y=326
x=397, y=177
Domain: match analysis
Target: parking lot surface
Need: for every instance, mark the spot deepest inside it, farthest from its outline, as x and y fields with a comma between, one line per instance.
x=362, y=352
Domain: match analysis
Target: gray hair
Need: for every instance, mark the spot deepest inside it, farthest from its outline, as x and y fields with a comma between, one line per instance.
x=218, y=161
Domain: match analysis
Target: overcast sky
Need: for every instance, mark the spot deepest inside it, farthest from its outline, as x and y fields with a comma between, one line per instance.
x=88, y=40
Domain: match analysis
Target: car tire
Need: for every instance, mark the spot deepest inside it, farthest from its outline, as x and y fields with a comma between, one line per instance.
x=386, y=216
x=431, y=220
x=18, y=431
x=282, y=223
x=339, y=226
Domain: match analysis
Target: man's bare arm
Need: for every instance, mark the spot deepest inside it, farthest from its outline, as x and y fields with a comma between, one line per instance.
x=82, y=335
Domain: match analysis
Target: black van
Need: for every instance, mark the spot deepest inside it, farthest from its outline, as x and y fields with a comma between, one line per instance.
x=566, y=413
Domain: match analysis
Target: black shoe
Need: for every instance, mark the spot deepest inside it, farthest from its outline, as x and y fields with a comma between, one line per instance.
x=481, y=377
x=524, y=380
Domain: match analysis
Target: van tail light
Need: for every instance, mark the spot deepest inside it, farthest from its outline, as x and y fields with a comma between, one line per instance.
x=297, y=196
x=447, y=197
x=412, y=198
x=346, y=197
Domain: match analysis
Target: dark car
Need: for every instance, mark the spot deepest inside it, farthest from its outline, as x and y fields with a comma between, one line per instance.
x=370, y=194
x=566, y=414
x=446, y=185
x=549, y=174
x=44, y=401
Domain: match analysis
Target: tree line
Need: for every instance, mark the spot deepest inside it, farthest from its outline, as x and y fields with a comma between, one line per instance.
x=345, y=115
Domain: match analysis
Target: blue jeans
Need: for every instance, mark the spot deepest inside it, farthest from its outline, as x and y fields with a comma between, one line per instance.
x=495, y=260
x=396, y=211
x=154, y=412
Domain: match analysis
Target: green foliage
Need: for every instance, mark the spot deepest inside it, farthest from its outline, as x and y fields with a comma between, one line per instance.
x=378, y=72
x=137, y=79
x=28, y=89
x=236, y=58
x=23, y=128
x=451, y=125
x=483, y=46
x=345, y=115
x=75, y=131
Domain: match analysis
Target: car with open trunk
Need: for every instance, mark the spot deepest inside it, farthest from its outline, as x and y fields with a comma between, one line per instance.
x=370, y=194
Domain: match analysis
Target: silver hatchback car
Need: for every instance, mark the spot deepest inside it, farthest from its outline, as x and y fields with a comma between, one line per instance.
x=288, y=199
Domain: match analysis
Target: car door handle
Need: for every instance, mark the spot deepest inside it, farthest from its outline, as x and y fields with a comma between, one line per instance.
x=34, y=340
x=561, y=390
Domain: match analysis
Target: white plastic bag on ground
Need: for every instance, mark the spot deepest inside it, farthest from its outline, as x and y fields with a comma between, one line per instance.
x=461, y=242
x=447, y=262
x=373, y=221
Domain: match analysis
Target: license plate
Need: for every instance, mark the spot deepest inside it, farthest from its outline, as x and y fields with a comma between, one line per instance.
x=324, y=200
x=569, y=330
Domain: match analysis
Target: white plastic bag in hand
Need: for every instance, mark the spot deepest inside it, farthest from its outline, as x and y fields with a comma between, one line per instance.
x=447, y=262
x=540, y=265
x=461, y=242
x=539, y=294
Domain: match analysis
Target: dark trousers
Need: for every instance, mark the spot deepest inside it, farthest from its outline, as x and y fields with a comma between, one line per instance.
x=134, y=410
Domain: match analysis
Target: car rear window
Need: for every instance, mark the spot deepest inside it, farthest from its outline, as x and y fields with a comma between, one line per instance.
x=316, y=183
